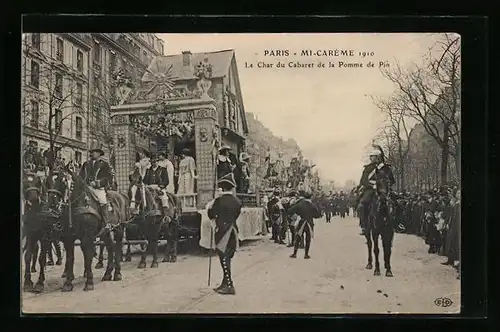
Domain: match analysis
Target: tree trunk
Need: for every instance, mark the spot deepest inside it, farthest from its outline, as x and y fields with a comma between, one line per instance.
x=445, y=154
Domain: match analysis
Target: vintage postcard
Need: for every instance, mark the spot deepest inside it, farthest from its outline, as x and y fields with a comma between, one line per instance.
x=241, y=173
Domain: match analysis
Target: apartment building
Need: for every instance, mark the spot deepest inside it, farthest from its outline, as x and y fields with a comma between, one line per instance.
x=67, y=85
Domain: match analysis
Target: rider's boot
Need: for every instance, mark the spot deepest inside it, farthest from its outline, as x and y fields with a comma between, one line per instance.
x=134, y=209
x=166, y=213
x=363, y=220
x=105, y=218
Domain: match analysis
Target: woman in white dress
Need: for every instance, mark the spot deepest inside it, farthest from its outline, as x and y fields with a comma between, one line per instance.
x=187, y=175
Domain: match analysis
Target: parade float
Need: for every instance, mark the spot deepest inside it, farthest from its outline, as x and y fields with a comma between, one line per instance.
x=187, y=101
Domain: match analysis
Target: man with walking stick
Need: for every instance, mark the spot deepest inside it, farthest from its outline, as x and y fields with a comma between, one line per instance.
x=225, y=210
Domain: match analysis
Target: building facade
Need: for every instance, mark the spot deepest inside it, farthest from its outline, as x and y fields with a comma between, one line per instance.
x=68, y=85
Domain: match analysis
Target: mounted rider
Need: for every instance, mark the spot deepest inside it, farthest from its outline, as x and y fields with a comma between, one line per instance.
x=140, y=167
x=367, y=185
x=96, y=173
x=156, y=178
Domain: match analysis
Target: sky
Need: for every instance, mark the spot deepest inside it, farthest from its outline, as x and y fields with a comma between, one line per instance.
x=328, y=111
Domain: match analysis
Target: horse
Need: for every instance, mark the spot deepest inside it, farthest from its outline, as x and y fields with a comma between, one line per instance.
x=380, y=223
x=150, y=223
x=42, y=224
x=83, y=222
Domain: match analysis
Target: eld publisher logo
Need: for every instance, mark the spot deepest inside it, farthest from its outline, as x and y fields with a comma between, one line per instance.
x=443, y=302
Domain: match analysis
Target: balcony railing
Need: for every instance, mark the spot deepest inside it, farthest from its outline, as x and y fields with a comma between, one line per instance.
x=188, y=202
x=248, y=200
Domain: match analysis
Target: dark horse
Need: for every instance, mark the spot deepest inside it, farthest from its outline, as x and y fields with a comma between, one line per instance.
x=42, y=223
x=83, y=222
x=380, y=223
x=151, y=223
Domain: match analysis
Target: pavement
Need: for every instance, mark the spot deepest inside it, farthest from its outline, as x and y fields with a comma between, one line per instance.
x=333, y=281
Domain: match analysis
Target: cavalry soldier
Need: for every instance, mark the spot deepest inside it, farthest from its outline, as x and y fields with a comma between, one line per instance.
x=156, y=178
x=225, y=210
x=377, y=167
x=96, y=173
x=307, y=211
x=140, y=167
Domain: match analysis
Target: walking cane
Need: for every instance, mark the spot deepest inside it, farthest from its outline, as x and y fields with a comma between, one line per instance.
x=210, y=254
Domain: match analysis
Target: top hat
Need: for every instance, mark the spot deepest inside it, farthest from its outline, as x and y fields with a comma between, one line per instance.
x=228, y=179
x=224, y=147
x=95, y=145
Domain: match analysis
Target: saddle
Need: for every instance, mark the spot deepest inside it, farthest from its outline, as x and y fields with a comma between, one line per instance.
x=118, y=203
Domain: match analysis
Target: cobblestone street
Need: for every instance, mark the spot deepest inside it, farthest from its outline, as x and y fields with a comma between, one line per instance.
x=334, y=280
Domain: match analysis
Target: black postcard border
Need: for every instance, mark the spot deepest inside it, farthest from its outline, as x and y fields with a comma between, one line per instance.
x=477, y=174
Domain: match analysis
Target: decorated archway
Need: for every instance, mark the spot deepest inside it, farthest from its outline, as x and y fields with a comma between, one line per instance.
x=156, y=114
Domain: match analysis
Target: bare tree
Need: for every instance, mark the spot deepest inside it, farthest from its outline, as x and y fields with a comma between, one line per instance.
x=396, y=135
x=430, y=94
x=56, y=93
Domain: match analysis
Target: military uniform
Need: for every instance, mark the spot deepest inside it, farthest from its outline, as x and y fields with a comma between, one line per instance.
x=275, y=210
x=225, y=210
x=97, y=175
x=307, y=211
x=368, y=184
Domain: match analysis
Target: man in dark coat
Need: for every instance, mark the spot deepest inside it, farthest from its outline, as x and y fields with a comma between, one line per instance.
x=96, y=173
x=156, y=178
x=307, y=211
x=376, y=167
x=275, y=210
x=225, y=210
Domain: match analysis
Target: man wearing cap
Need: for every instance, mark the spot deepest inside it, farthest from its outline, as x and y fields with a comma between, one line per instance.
x=375, y=168
x=307, y=212
x=156, y=178
x=225, y=210
x=165, y=163
x=96, y=172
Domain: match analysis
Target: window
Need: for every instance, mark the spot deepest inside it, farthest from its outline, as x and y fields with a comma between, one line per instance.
x=35, y=114
x=58, y=88
x=97, y=53
x=79, y=94
x=79, y=128
x=35, y=74
x=79, y=61
x=35, y=40
x=78, y=157
x=58, y=119
x=60, y=50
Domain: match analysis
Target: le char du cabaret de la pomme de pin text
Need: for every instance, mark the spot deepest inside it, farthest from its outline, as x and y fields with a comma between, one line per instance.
x=317, y=53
